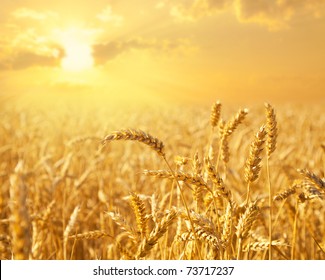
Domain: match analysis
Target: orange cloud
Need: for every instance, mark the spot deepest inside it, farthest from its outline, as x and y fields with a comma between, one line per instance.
x=24, y=59
x=26, y=49
x=104, y=52
x=277, y=14
x=195, y=9
x=273, y=14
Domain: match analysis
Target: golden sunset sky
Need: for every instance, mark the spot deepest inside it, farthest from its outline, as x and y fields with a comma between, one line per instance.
x=164, y=50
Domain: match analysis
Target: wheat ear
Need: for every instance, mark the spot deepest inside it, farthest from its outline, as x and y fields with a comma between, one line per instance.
x=234, y=122
x=263, y=245
x=71, y=223
x=20, y=220
x=271, y=128
x=245, y=224
x=94, y=234
x=215, y=114
x=284, y=194
x=139, y=210
x=124, y=226
x=214, y=120
x=227, y=130
x=187, y=178
x=253, y=167
x=160, y=229
x=137, y=135
x=217, y=180
x=227, y=227
x=312, y=177
x=196, y=172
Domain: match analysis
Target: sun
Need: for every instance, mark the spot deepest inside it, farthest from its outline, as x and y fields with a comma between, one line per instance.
x=78, y=53
x=78, y=57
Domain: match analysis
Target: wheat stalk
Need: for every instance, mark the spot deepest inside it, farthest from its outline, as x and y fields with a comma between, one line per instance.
x=271, y=129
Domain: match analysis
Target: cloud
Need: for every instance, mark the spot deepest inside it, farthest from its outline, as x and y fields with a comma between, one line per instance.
x=107, y=15
x=273, y=14
x=104, y=52
x=24, y=59
x=27, y=42
x=26, y=13
x=26, y=49
x=277, y=14
x=194, y=9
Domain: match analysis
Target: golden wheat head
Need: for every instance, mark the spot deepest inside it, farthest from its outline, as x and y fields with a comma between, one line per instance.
x=136, y=135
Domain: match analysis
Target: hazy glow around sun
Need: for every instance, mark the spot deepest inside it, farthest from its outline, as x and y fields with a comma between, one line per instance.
x=78, y=54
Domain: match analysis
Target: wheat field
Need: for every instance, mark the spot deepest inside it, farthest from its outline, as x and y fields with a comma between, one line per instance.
x=177, y=183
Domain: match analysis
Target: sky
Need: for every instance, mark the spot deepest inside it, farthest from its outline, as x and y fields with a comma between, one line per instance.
x=191, y=51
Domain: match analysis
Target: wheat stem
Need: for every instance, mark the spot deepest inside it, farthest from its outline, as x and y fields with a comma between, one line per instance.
x=294, y=233
x=185, y=205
